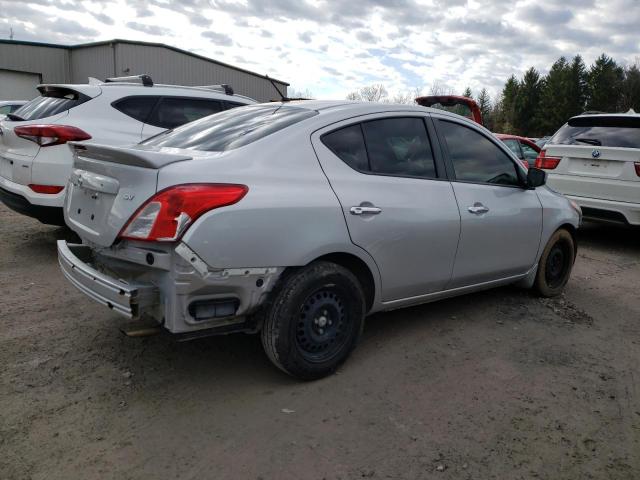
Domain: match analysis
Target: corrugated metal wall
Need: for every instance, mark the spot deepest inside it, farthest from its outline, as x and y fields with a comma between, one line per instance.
x=167, y=66
x=52, y=63
x=96, y=61
x=74, y=65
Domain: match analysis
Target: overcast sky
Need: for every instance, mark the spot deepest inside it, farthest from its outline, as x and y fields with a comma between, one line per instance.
x=333, y=47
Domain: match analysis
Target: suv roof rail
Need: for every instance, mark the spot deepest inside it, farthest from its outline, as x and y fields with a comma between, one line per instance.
x=143, y=79
x=220, y=88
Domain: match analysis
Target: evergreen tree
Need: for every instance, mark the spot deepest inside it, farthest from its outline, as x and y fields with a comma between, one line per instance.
x=508, y=104
x=526, y=105
x=577, y=93
x=552, y=111
x=467, y=93
x=605, y=84
x=484, y=102
x=631, y=89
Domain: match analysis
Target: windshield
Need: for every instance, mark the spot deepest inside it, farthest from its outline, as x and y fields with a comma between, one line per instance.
x=614, y=131
x=53, y=100
x=233, y=128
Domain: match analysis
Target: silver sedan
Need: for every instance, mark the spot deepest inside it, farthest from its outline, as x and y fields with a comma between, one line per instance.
x=296, y=220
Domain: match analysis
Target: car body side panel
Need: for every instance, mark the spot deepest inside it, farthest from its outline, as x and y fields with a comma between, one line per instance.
x=289, y=217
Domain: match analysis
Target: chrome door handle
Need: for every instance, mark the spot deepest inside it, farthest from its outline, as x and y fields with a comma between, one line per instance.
x=365, y=210
x=478, y=209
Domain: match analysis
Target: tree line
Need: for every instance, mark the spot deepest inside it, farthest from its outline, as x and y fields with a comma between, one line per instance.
x=537, y=105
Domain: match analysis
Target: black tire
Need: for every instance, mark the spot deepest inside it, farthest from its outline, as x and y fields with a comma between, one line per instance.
x=313, y=320
x=556, y=262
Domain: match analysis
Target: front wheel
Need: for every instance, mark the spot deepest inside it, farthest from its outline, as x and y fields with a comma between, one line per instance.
x=314, y=320
x=556, y=262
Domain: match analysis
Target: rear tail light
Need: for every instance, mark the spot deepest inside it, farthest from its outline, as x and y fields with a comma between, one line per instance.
x=49, y=135
x=49, y=189
x=547, y=163
x=167, y=215
x=637, y=165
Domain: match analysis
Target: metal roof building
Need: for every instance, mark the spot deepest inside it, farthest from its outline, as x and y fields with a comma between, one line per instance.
x=23, y=65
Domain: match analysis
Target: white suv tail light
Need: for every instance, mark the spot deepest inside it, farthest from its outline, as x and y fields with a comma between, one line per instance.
x=167, y=215
x=49, y=135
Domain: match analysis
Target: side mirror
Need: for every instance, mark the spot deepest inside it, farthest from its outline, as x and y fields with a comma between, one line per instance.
x=536, y=177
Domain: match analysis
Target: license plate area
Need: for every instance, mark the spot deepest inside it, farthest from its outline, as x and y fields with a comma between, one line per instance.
x=88, y=207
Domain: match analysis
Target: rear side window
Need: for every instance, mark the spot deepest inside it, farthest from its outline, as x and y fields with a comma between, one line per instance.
x=348, y=145
x=475, y=158
x=138, y=108
x=53, y=100
x=513, y=146
x=5, y=109
x=605, y=131
x=173, y=112
x=389, y=146
x=233, y=128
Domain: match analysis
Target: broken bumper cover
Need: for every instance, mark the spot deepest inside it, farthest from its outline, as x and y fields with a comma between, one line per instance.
x=128, y=300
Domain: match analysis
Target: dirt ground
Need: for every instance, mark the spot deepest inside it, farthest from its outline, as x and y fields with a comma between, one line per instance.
x=495, y=385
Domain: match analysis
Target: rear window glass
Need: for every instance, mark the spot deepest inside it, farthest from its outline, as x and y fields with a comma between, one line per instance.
x=599, y=131
x=52, y=101
x=138, y=108
x=172, y=112
x=232, y=128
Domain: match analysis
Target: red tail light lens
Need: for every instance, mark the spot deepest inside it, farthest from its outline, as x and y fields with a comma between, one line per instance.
x=548, y=163
x=167, y=215
x=49, y=135
x=49, y=189
x=637, y=165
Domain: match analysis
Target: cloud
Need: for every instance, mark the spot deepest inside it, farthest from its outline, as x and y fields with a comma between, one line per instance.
x=218, y=38
x=305, y=37
x=149, y=29
x=332, y=47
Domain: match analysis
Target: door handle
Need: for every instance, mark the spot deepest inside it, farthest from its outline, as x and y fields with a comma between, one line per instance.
x=478, y=209
x=365, y=210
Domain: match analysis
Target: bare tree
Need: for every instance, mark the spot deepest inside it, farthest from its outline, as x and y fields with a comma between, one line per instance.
x=438, y=89
x=293, y=92
x=371, y=93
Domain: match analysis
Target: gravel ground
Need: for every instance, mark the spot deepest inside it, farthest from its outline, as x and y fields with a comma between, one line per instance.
x=494, y=385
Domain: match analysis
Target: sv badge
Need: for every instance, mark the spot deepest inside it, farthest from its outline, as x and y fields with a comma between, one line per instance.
x=128, y=196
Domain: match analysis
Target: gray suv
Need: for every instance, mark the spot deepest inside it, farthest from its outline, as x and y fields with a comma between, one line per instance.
x=296, y=220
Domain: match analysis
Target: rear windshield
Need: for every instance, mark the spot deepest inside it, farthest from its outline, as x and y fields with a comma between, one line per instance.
x=615, y=131
x=233, y=128
x=52, y=101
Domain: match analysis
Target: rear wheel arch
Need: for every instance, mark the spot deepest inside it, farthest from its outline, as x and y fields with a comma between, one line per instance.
x=359, y=268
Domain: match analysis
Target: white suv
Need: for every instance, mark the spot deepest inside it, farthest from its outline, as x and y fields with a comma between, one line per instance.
x=35, y=163
x=595, y=161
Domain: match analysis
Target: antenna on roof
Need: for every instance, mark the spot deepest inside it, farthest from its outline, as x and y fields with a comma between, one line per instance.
x=283, y=98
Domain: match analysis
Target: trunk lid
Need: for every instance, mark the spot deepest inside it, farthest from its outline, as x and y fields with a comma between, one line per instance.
x=596, y=172
x=108, y=185
x=465, y=106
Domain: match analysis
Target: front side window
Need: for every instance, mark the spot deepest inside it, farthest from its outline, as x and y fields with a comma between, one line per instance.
x=389, y=146
x=232, y=128
x=475, y=158
x=5, y=109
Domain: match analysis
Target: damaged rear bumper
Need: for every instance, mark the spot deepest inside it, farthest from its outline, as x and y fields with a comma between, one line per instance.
x=169, y=284
x=124, y=298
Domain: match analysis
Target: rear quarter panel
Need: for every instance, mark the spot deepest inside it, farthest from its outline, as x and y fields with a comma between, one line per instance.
x=289, y=216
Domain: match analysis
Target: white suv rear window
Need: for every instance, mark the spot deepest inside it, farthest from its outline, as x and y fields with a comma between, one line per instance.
x=600, y=131
x=52, y=101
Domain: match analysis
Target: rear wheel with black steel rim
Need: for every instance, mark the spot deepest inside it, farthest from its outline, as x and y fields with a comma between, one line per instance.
x=313, y=320
x=556, y=262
